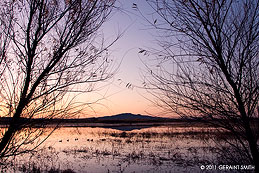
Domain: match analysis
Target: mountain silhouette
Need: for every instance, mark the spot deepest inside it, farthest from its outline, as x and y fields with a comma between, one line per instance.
x=130, y=116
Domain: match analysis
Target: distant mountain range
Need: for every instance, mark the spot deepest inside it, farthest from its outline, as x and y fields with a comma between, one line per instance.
x=130, y=116
x=120, y=118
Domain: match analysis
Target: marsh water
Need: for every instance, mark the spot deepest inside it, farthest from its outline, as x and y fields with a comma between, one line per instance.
x=164, y=148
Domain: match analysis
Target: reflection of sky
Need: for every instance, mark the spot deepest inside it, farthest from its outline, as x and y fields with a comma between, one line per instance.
x=117, y=97
x=86, y=149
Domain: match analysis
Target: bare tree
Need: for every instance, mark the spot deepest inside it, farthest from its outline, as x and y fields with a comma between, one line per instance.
x=5, y=23
x=207, y=65
x=49, y=48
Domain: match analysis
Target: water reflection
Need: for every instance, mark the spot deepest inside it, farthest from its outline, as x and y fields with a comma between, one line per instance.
x=127, y=128
x=141, y=149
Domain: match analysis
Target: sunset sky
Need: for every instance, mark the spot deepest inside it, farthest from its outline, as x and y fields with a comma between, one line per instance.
x=117, y=97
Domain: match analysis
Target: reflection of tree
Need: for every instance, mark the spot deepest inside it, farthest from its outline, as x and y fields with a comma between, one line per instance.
x=48, y=49
x=208, y=65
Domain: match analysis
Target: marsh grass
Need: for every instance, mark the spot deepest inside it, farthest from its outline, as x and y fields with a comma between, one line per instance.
x=117, y=151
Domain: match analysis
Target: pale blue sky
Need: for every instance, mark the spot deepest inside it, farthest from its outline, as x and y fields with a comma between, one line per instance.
x=119, y=98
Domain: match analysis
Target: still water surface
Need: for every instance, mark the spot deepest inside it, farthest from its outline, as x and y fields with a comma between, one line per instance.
x=148, y=149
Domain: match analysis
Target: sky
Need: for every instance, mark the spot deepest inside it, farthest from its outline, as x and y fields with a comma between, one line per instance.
x=116, y=97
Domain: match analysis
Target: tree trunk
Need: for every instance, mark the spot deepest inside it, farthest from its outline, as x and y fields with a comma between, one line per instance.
x=253, y=147
x=14, y=125
x=6, y=139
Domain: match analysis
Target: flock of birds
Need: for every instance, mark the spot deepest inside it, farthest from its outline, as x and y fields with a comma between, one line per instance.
x=76, y=139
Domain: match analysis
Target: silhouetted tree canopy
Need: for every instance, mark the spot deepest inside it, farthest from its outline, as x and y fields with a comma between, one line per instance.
x=48, y=49
x=207, y=65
